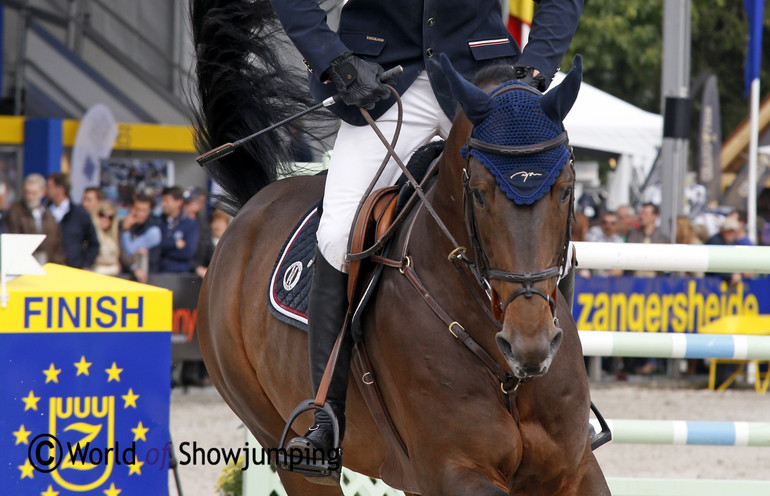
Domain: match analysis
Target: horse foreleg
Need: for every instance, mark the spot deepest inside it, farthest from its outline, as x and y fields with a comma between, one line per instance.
x=460, y=480
x=590, y=479
x=249, y=401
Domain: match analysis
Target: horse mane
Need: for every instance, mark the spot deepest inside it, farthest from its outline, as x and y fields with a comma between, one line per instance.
x=244, y=85
x=494, y=74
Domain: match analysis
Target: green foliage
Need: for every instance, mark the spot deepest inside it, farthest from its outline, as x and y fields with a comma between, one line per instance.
x=230, y=481
x=622, y=47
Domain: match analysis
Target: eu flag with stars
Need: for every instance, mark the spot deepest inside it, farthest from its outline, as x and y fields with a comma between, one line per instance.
x=84, y=386
x=104, y=393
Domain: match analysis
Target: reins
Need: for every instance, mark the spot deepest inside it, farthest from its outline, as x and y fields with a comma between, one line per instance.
x=508, y=382
x=480, y=270
x=389, y=146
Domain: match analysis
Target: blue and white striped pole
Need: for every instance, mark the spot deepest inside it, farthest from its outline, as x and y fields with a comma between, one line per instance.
x=673, y=345
x=688, y=432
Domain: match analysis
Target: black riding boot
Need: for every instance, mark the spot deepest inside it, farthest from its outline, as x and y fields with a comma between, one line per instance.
x=327, y=306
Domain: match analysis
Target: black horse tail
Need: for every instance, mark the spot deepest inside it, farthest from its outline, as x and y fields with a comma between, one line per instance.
x=245, y=85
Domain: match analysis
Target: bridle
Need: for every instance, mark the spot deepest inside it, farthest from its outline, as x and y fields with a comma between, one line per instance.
x=458, y=257
x=481, y=268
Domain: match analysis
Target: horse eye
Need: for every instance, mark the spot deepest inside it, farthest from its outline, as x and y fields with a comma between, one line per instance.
x=567, y=194
x=479, y=198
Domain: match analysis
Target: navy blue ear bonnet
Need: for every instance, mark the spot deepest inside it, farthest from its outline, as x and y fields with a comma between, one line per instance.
x=509, y=125
x=518, y=120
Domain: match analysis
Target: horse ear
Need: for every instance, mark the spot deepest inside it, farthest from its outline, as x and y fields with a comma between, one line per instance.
x=557, y=103
x=475, y=102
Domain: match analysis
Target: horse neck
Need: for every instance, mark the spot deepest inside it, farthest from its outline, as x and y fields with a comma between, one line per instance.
x=430, y=253
x=447, y=196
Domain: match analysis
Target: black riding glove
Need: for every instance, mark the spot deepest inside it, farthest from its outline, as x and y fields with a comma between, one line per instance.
x=524, y=74
x=357, y=81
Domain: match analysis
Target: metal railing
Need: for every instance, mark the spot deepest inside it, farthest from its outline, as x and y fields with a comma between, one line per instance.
x=166, y=76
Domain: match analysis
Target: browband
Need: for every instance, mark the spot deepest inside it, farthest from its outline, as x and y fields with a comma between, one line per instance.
x=518, y=150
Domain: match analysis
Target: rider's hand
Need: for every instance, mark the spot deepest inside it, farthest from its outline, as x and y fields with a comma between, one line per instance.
x=357, y=81
x=531, y=76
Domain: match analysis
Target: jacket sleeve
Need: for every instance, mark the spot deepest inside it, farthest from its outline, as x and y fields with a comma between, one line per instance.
x=553, y=27
x=305, y=23
x=149, y=239
x=12, y=220
x=91, y=242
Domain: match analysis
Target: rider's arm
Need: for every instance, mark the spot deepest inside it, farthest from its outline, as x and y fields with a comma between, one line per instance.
x=305, y=23
x=553, y=27
x=148, y=239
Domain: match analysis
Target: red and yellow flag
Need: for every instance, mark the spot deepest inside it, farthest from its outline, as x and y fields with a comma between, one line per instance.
x=520, y=13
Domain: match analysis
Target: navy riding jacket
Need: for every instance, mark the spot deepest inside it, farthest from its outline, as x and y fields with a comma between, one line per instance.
x=79, y=240
x=413, y=33
x=173, y=259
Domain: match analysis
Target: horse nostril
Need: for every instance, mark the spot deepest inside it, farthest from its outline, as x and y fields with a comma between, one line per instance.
x=504, y=345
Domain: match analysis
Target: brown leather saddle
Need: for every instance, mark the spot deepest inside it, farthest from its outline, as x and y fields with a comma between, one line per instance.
x=374, y=219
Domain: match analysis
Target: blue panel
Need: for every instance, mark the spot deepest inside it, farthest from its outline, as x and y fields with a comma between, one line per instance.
x=42, y=146
x=715, y=346
x=664, y=304
x=2, y=46
x=714, y=433
x=111, y=389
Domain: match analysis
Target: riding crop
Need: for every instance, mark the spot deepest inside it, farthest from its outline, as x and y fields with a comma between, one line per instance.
x=228, y=148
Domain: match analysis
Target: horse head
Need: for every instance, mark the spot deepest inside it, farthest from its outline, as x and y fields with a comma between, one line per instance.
x=518, y=196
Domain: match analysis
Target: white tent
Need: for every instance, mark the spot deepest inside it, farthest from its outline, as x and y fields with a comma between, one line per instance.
x=602, y=122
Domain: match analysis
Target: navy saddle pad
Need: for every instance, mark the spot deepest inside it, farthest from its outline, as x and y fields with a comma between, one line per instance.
x=293, y=272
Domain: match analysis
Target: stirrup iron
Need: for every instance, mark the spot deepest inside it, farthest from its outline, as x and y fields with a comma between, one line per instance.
x=602, y=437
x=295, y=460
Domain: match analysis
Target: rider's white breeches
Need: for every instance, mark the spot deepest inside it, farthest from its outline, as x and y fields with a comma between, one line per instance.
x=358, y=153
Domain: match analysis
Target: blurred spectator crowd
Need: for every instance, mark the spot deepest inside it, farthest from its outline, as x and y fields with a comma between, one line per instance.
x=174, y=232
x=177, y=230
x=627, y=225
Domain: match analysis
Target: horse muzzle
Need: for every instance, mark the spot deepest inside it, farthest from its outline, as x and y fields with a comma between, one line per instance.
x=529, y=356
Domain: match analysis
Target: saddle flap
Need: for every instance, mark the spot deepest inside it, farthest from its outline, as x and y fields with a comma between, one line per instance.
x=373, y=220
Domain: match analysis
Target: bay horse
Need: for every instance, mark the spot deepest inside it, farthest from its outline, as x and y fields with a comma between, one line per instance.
x=462, y=435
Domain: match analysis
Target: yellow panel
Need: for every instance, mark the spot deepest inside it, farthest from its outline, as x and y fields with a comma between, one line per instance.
x=739, y=324
x=69, y=129
x=73, y=300
x=142, y=137
x=155, y=137
x=131, y=136
x=11, y=130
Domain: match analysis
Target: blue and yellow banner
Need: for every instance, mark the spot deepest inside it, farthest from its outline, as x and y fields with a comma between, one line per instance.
x=84, y=386
x=71, y=300
x=664, y=304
